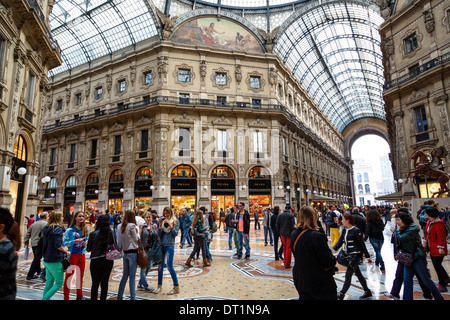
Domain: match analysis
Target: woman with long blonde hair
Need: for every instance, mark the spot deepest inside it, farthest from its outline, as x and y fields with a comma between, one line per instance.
x=169, y=227
x=127, y=239
x=76, y=238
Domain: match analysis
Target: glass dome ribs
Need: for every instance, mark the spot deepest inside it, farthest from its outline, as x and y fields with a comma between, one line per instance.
x=90, y=29
x=334, y=51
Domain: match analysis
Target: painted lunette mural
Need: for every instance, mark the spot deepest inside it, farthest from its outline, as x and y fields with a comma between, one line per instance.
x=223, y=33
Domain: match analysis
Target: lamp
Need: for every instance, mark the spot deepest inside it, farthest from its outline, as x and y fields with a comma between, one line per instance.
x=122, y=189
x=205, y=187
x=152, y=187
x=288, y=187
x=163, y=187
x=73, y=193
x=96, y=191
x=45, y=179
x=21, y=171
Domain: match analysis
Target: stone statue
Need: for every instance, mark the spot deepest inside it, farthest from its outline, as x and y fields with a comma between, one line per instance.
x=269, y=37
x=167, y=23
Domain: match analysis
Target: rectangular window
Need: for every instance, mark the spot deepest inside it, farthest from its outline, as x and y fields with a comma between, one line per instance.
x=411, y=43
x=93, y=152
x=221, y=101
x=258, y=144
x=414, y=70
x=78, y=99
x=117, y=147
x=285, y=152
x=421, y=124
x=147, y=78
x=144, y=144
x=184, y=75
x=221, y=143
x=184, y=142
x=59, y=103
x=122, y=85
x=256, y=103
x=30, y=90
x=98, y=92
x=183, y=98
x=73, y=149
x=53, y=156
x=255, y=82
x=221, y=78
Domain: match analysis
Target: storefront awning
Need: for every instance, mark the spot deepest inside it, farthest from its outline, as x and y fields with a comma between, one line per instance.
x=316, y=197
x=390, y=197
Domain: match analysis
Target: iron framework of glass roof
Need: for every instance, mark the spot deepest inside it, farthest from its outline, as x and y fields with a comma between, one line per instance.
x=332, y=47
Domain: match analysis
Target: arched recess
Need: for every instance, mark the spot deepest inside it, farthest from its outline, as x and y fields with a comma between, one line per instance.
x=362, y=127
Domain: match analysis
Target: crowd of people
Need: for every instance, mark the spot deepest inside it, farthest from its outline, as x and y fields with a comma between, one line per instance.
x=317, y=240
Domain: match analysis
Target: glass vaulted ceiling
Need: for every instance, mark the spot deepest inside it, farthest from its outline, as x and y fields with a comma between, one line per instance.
x=89, y=29
x=333, y=48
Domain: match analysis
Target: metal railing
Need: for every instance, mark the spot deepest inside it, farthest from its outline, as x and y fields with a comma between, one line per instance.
x=418, y=71
x=236, y=105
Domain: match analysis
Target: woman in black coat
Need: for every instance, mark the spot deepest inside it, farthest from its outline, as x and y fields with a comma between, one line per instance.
x=314, y=263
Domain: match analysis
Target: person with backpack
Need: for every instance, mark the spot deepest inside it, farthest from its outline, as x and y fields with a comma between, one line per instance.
x=436, y=245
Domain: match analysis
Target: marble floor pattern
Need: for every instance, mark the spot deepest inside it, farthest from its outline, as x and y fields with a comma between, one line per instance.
x=229, y=278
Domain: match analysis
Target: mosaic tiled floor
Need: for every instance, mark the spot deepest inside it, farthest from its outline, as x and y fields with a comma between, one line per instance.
x=257, y=278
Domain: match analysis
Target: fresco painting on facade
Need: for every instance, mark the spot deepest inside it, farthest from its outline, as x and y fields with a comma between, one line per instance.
x=212, y=32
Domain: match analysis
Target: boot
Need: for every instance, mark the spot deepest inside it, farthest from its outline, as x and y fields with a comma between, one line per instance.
x=206, y=263
x=158, y=289
x=188, y=263
x=175, y=290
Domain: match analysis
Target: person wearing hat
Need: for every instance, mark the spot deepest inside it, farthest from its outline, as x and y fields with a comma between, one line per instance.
x=436, y=245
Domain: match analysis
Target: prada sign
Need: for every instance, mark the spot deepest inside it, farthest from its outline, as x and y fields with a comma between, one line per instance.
x=183, y=184
x=223, y=184
x=259, y=184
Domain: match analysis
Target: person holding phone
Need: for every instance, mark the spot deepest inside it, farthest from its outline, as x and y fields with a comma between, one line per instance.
x=75, y=238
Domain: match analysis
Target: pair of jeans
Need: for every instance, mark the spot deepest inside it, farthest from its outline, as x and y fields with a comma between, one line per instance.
x=185, y=237
x=268, y=230
x=100, y=271
x=359, y=275
x=199, y=244
x=77, y=265
x=278, y=252
x=144, y=272
x=419, y=268
x=440, y=271
x=243, y=242
x=286, y=241
x=230, y=237
x=129, y=271
x=55, y=279
x=36, y=264
x=169, y=253
x=377, y=244
x=398, y=282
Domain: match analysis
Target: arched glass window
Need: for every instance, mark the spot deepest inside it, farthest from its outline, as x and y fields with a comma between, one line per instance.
x=20, y=148
x=358, y=177
x=144, y=173
x=116, y=176
x=71, y=181
x=259, y=173
x=367, y=188
x=92, y=178
x=360, y=188
x=183, y=171
x=222, y=172
x=366, y=177
x=52, y=184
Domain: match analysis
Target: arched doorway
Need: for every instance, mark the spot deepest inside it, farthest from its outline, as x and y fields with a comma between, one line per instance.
x=259, y=188
x=223, y=188
x=183, y=187
x=70, y=190
x=142, y=188
x=115, y=191
x=17, y=176
x=91, y=192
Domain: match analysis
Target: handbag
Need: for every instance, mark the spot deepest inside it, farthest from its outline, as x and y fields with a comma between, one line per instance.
x=65, y=262
x=156, y=252
x=113, y=253
x=142, y=258
x=343, y=258
x=404, y=257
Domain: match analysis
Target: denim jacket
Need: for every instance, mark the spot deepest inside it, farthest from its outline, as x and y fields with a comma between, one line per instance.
x=69, y=238
x=168, y=239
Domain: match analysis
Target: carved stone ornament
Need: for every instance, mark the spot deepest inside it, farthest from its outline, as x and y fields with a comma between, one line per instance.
x=429, y=21
x=269, y=37
x=166, y=22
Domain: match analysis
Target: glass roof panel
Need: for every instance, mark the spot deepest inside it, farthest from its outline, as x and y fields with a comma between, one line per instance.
x=337, y=59
x=89, y=29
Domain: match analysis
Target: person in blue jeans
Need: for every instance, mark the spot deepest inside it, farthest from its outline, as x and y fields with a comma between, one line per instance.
x=127, y=239
x=243, y=227
x=169, y=226
x=231, y=226
x=409, y=240
x=186, y=225
x=149, y=235
x=374, y=231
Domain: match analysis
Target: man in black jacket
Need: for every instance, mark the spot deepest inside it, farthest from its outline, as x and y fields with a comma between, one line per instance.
x=285, y=226
x=360, y=221
x=242, y=228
